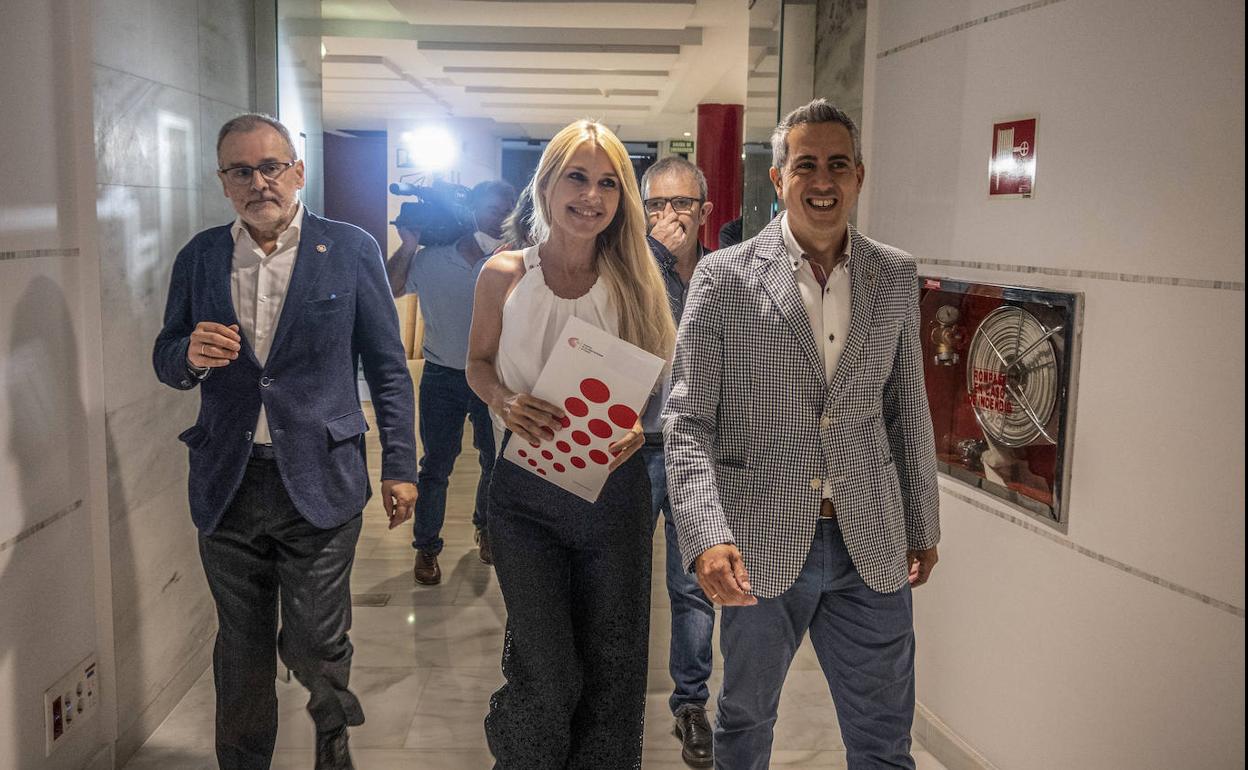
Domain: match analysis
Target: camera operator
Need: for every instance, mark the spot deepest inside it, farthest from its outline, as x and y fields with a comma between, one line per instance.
x=444, y=277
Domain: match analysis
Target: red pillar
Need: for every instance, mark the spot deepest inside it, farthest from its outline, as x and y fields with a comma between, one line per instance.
x=721, y=130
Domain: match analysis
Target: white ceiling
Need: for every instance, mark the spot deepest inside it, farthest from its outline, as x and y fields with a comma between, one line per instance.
x=533, y=67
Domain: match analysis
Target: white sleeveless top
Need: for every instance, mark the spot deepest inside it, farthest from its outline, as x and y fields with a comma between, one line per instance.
x=533, y=317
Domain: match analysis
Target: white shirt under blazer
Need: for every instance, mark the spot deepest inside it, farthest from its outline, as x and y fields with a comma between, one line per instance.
x=756, y=436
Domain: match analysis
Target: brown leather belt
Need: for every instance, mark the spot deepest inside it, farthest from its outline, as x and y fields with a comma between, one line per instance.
x=826, y=510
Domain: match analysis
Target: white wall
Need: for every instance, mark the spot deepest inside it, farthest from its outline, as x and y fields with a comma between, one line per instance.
x=54, y=601
x=1121, y=643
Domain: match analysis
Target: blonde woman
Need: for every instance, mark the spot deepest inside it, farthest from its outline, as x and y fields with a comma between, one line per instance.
x=575, y=576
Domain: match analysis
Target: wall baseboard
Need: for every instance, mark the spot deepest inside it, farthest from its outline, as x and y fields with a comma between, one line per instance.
x=943, y=743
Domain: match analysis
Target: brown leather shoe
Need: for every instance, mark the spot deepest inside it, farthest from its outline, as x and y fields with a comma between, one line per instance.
x=483, y=547
x=426, y=572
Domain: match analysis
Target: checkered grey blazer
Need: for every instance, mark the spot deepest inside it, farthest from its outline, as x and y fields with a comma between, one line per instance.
x=752, y=429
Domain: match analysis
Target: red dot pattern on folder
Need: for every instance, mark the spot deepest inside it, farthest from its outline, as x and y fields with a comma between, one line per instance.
x=595, y=390
x=622, y=416
x=593, y=423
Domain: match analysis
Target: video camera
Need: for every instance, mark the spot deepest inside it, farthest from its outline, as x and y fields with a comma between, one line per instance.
x=441, y=214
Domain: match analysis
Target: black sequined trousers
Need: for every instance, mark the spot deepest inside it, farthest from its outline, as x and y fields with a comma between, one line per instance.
x=576, y=580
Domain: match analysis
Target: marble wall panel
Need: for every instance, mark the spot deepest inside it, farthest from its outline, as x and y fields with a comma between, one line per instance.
x=227, y=52
x=145, y=456
x=153, y=39
x=139, y=727
x=299, y=91
x=160, y=541
x=215, y=208
x=163, y=612
x=41, y=413
x=48, y=626
x=840, y=50
x=35, y=213
x=49, y=460
x=140, y=229
x=146, y=133
x=167, y=75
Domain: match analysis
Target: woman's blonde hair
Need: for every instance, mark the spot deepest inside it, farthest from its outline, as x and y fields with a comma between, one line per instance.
x=623, y=256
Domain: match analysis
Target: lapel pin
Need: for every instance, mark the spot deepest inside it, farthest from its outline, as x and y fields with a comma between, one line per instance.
x=321, y=248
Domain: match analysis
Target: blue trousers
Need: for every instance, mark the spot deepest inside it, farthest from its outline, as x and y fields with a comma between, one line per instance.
x=693, y=615
x=445, y=399
x=865, y=644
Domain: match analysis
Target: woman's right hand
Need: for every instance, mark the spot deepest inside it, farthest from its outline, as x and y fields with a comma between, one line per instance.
x=531, y=418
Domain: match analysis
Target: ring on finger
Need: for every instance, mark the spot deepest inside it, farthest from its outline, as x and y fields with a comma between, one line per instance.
x=203, y=349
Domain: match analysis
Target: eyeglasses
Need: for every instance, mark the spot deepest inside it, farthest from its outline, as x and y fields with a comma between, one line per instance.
x=680, y=204
x=237, y=176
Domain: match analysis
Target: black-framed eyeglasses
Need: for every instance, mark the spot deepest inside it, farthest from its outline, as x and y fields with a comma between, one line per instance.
x=238, y=176
x=681, y=204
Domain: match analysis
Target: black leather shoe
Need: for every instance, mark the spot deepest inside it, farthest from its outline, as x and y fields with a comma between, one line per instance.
x=332, y=752
x=694, y=733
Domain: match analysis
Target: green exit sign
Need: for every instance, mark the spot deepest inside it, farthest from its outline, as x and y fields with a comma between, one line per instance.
x=681, y=145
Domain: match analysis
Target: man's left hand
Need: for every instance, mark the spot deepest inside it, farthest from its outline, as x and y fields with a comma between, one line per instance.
x=399, y=499
x=921, y=564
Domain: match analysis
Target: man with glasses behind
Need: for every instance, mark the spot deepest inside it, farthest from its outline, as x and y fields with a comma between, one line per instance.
x=270, y=317
x=674, y=193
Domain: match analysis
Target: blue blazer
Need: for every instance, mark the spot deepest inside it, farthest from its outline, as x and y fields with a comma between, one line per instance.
x=338, y=314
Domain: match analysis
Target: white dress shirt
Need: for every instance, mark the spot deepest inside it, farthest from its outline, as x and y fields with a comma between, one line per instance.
x=258, y=283
x=827, y=306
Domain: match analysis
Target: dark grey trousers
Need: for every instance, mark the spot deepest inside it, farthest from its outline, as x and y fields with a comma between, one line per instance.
x=262, y=549
x=576, y=580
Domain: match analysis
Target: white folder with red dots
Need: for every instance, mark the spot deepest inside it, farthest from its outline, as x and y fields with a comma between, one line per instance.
x=602, y=383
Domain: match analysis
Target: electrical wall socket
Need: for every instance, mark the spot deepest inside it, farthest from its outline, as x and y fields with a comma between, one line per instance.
x=70, y=702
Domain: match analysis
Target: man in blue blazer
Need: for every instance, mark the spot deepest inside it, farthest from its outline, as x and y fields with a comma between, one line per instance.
x=270, y=317
x=800, y=458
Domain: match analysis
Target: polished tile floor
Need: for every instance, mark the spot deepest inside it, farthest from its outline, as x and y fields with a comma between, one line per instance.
x=427, y=661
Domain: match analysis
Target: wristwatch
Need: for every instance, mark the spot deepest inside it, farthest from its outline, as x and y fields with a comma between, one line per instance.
x=198, y=372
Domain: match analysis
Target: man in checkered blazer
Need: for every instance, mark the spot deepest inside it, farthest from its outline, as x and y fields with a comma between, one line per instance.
x=800, y=456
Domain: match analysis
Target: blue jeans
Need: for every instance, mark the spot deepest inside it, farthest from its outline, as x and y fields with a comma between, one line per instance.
x=445, y=399
x=693, y=615
x=865, y=644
